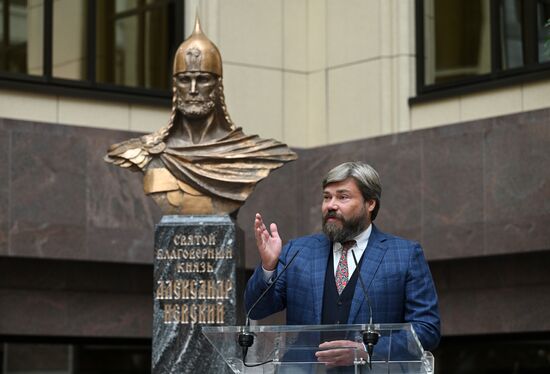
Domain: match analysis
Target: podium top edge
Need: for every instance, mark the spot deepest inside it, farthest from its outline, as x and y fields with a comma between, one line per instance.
x=312, y=328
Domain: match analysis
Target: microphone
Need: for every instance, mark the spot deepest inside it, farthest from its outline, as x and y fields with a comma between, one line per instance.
x=246, y=339
x=370, y=336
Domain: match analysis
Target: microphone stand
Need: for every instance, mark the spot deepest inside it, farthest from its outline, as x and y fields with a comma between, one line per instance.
x=370, y=336
x=246, y=338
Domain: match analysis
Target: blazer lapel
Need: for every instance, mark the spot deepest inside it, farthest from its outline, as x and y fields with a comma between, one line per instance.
x=372, y=257
x=318, y=272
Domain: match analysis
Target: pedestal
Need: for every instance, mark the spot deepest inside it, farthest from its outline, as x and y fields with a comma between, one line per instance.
x=195, y=284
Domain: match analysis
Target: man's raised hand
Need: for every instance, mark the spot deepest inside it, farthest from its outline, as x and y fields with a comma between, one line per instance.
x=268, y=242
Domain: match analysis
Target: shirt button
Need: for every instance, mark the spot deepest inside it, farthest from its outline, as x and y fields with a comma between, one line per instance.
x=339, y=303
x=337, y=322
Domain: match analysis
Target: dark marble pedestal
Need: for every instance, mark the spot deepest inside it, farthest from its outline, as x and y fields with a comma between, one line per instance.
x=195, y=284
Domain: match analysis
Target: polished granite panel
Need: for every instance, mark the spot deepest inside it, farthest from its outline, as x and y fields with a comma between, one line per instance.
x=48, y=195
x=507, y=293
x=120, y=217
x=277, y=199
x=452, y=173
x=445, y=187
x=491, y=311
x=398, y=162
x=517, y=185
x=503, y=271
x=73, y=298
x=441, y=186
x=47, y=274
x=315, y=163
x=67, y=203
x=4, y=190
x=61, y=313
x=33, y=312
x=109, y=314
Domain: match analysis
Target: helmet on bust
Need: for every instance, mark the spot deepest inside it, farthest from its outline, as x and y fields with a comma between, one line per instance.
x=198, y=53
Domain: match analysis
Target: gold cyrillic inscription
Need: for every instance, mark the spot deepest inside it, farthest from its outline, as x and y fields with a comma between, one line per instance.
x=186, y=289
x=194, y=240
x=194, y=267
x=194, y=313
x=208, y=253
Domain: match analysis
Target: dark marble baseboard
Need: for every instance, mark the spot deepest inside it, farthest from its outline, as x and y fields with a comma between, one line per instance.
x=46, y=298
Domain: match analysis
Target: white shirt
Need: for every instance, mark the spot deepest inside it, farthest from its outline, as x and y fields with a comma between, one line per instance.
x=359, y=248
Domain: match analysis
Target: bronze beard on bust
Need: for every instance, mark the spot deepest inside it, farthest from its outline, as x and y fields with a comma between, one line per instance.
x=200, y=163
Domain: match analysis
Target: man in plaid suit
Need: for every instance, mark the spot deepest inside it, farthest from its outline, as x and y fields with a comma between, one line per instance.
x=321, y=287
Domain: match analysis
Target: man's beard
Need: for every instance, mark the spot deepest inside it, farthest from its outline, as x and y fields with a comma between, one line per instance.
x=197, y=109
x=349, y=228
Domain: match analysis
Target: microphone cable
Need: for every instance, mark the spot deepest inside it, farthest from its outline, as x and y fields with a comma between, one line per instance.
x=246, y=339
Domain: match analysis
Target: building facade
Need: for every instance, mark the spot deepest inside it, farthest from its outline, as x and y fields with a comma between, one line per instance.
x=449, y=100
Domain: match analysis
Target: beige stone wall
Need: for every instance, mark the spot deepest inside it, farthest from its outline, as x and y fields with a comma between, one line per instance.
x=314, y=72
x=309, y=72
x=514, y=99
x=81, y=112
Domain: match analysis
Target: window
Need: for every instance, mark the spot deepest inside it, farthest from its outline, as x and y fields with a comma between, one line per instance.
x=468, y=43
x=19, y=49
x=109, y=47
x=133, y=48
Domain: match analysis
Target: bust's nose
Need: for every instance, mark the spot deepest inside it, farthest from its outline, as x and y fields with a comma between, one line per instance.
x=193, y=90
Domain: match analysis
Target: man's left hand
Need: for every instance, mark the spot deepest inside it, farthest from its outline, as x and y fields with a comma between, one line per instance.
x=340, y=353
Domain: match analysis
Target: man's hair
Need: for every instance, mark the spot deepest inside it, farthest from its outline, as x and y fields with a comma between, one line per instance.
x=366, y=178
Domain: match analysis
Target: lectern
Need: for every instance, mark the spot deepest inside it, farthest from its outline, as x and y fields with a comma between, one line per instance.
x=291, y=349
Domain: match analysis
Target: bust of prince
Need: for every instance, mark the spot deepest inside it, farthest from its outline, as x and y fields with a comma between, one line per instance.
x=200, y=162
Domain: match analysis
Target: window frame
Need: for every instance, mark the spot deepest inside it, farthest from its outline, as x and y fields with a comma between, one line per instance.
x=497, y=78
x=89, y=87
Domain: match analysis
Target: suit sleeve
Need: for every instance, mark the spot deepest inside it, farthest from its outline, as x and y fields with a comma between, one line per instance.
x=421, y=305
x=275, y=299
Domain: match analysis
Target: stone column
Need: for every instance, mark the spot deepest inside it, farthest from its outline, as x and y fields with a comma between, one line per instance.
x=195, y=283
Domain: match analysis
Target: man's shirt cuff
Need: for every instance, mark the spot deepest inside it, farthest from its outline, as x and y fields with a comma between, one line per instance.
x=268, y=274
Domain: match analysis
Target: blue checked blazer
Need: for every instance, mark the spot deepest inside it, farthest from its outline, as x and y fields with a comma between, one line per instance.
x=398, y=281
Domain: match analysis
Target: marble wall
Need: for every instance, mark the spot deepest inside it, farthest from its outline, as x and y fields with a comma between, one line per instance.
x=61, y=201
x=474, y=189
x=475, y=194
x=44, y=297
x=477, y=197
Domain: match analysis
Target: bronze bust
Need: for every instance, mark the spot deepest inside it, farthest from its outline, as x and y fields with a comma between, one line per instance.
x=200, y=162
